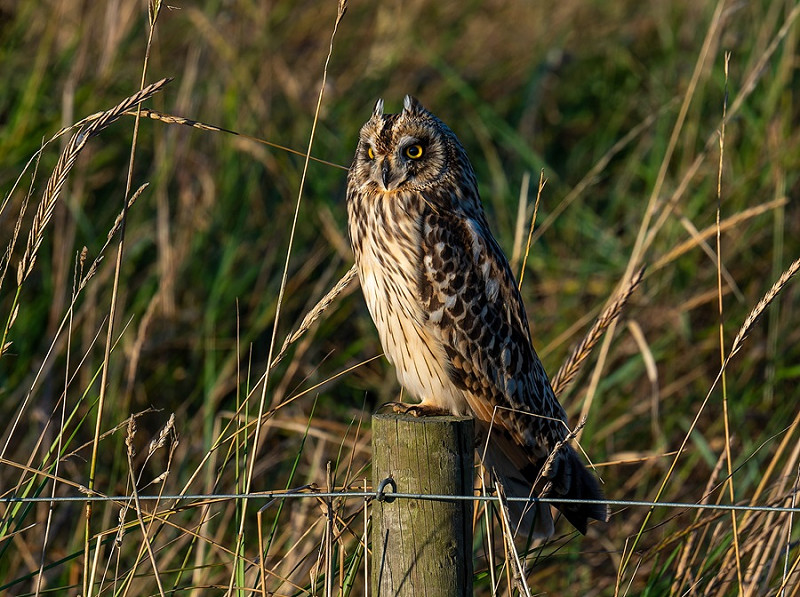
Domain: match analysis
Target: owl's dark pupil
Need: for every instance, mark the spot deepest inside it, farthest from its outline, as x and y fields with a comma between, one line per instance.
x=414, y=151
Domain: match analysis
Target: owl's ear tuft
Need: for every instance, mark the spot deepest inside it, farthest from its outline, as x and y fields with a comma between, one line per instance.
x=412, y=107
x=378, y=110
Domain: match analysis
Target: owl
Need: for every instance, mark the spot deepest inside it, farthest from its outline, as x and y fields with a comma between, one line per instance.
x=448, y=312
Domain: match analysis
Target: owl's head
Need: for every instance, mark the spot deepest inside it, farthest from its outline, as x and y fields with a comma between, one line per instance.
x=410, y=150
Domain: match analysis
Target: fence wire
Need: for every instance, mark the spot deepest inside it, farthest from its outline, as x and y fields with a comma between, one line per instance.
x=389, y=496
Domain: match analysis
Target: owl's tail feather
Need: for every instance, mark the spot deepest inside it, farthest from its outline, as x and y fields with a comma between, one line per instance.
x=562, y=475
x=572, y=480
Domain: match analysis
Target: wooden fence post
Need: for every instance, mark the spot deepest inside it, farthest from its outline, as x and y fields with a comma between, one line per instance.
x=422, y=547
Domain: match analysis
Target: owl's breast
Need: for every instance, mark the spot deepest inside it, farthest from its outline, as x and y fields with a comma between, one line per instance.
x=388, y=250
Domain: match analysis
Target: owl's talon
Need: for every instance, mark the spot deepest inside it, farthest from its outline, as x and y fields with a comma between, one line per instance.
x=416, y=410
x=400, y=408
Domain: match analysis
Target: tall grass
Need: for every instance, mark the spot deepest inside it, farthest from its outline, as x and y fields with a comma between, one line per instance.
x=621, y=105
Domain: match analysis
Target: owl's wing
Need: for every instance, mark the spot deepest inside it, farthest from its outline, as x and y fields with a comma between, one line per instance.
x=472, y=305
x=471, y=301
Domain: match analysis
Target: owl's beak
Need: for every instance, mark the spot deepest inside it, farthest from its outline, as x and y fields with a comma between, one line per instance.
x=390, y=178
x=386, y=175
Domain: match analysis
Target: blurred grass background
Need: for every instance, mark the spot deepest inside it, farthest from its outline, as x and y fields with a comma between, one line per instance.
x=526, y=86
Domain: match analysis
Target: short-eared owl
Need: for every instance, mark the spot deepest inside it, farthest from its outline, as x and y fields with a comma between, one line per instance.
x=448, y=312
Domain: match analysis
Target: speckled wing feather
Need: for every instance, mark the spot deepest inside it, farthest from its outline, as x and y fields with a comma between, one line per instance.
x=471, y=300
x=469, y=294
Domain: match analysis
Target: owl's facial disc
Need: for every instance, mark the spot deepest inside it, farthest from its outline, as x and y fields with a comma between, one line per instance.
x=403, y=151
x=402, y=161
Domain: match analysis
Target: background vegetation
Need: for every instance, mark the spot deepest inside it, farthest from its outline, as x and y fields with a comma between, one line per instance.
x=620, y=104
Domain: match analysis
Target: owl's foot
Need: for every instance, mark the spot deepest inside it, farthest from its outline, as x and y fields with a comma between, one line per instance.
x=417, y=410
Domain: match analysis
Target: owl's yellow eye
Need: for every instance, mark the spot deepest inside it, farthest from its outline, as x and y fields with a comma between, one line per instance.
x=370, y=153
x=414, y=151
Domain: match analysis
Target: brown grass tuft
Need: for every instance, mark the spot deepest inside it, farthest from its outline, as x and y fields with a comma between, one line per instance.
x=581, y=352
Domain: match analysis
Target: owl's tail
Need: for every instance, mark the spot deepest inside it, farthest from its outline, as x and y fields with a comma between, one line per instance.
x=569, y=478
x=561, y=475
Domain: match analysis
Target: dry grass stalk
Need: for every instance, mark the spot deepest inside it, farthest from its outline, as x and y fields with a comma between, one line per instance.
x=315, y=313
x=766, y=532
x=329, y=531
x=167, y=432
x=759, y=308
x=111, y=233
x=726, y=419
x=542, y=182
x=6, y=259
x=514, y=566
x=145, y=533
x=652, y=375
x=724, y=225
x=203, y=126
x=160, y=440
x=580, y=353
x=788, y=531
x=55, y=185
x=66, y=161
x=762, y=545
